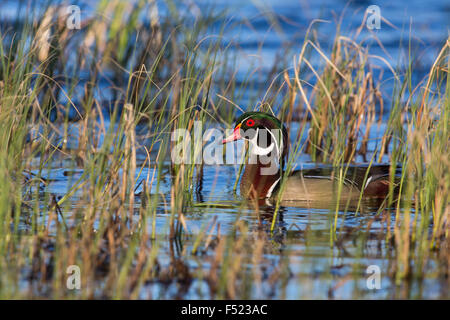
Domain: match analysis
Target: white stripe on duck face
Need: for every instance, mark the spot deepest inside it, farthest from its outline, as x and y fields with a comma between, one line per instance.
x=262, y=154
x=256, y=149
x=261, y=151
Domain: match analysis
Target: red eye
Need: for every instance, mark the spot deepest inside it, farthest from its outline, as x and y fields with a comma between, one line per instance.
x=250, y=123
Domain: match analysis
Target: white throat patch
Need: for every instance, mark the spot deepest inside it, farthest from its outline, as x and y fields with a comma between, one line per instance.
x=262, y=151
x=256, y=149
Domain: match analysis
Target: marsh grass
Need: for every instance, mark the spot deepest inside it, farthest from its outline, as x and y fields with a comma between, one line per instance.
x=163, y=75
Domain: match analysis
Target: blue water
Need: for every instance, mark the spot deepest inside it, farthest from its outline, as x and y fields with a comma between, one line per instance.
x=264, y=32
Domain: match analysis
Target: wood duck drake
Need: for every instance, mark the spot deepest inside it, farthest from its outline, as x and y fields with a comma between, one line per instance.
x=268, y=142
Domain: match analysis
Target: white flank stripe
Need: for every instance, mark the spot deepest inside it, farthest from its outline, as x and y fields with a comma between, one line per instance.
x=269, y=193
x=367, y=183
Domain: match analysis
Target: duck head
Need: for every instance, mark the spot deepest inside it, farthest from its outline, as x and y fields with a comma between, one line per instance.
x=264, y=132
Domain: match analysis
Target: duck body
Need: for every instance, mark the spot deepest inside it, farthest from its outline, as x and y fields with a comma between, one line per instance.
x=318, y=184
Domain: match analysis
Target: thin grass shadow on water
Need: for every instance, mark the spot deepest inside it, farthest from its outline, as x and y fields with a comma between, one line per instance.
x=87, y=181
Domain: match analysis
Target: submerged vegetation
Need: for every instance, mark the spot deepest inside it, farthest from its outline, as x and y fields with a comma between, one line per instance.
x=86, y=117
